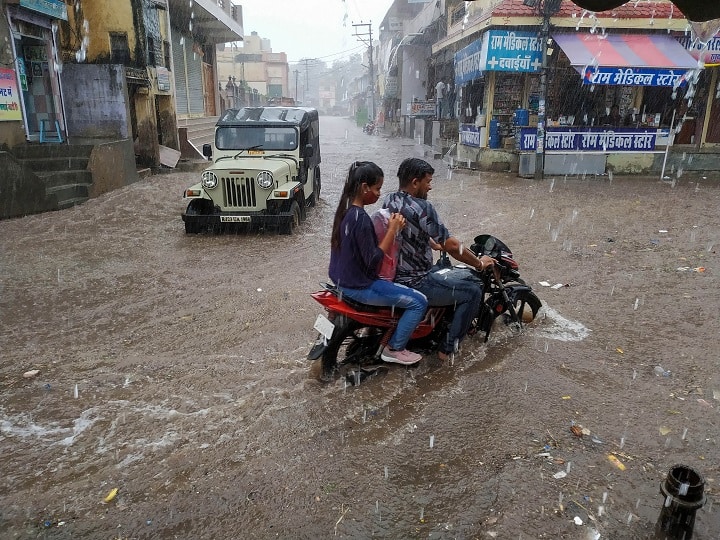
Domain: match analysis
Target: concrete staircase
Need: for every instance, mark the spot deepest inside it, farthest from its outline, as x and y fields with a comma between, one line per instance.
x=62, y=168
x=194, y=132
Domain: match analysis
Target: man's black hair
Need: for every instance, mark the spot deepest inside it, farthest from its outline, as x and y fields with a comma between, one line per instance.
x=412, y=168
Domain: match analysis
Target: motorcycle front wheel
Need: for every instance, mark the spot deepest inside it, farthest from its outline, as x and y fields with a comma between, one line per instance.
x=527, y=305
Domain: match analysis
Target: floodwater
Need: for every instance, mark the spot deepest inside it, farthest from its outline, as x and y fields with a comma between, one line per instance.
x=174, y=369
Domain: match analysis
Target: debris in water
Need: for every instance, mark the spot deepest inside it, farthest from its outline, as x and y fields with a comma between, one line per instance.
x=30, y=374
x=560, y=474
x=615, y=461
x=661, y=372
x=111, y=495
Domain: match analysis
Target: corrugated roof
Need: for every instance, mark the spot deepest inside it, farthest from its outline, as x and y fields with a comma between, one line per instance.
x=634, y=9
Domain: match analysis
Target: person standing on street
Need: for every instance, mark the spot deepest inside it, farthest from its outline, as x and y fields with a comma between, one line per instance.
x=355, y=258
x=439, y=98
x=423, y=230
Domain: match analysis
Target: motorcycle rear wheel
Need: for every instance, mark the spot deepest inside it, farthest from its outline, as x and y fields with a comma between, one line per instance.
x=343, y=328
x=351, y=342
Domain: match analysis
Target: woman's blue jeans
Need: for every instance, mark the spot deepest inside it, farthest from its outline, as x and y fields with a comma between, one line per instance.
x=387, y=293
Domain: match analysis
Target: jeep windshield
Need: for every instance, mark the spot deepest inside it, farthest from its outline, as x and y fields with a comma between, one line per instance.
x=256, y=137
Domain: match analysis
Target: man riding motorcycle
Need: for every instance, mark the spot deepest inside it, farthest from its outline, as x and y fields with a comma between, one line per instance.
x=424, y=230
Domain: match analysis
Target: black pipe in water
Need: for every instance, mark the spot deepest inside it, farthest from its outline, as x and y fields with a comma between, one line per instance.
x=683, y=490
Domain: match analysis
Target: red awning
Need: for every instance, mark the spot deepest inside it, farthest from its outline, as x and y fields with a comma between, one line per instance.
x=625, y=50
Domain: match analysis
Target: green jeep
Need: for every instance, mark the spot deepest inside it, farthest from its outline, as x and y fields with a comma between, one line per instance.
x=265, y=171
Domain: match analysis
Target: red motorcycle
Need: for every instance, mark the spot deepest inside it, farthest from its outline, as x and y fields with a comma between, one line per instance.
x=356, y=333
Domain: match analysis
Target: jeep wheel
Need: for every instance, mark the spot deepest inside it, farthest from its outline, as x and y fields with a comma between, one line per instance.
x=289, y=226
x=197, y=207
x=192, y=228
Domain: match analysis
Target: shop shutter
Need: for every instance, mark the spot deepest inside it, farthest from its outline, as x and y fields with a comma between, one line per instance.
x=185, y=60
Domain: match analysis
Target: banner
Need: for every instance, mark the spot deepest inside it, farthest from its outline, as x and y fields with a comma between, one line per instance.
x=634, y=76
x=9, y=98
x=709, y=52
x=469, y=135
x=56, y=9
x=421, y=108
x=589, y=139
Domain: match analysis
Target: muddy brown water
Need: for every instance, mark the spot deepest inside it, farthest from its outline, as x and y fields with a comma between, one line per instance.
x=173, y=368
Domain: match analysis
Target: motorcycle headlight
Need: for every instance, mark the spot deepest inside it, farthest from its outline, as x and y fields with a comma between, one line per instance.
x=265, y=179
x=209, y=180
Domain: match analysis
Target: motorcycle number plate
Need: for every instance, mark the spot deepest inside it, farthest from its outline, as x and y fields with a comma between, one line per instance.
x=324, y=326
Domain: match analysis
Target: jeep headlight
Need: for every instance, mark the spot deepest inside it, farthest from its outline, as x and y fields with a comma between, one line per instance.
x=209, y=180
x=265, y=179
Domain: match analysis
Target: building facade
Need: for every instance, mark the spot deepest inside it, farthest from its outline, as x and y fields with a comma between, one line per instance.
x=122, y=69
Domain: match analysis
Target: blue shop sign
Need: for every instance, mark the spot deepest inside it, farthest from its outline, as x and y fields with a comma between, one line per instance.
x=591, y=140
x=507, y=50
x=469, y=135
x=469, y=63
x=499, y=50
x=627, y=76
x=57, y=9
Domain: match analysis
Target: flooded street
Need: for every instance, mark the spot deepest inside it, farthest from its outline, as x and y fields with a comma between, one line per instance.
x=173, y=368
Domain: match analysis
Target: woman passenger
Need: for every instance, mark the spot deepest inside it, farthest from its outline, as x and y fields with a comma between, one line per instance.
x=355, y=258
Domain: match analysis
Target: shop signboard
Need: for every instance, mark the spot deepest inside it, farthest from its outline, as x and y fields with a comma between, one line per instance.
x=391, y=87
x=591, y=140
x=163, y=79
x=498, y=50
x=421, y=108
x=57, y=9
x=469, y=135
x=468, y=63
x=507, y=50
x=710, y=53
x=9, y=99
x=627, y=76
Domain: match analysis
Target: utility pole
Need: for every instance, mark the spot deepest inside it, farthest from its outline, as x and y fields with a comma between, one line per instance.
x=547, y=9
x=362, y=37
x=296, y=83
x=307, y=75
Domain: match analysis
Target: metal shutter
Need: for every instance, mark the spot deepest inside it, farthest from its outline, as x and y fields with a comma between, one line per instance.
x=186, y=61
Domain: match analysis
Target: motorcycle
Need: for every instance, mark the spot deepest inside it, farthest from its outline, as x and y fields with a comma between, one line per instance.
x=370, y=128
x=358, y=332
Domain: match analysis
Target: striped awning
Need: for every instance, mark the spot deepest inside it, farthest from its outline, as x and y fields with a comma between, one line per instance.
x=627, y=59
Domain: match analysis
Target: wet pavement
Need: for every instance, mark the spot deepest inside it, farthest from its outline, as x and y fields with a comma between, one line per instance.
x=173, y=368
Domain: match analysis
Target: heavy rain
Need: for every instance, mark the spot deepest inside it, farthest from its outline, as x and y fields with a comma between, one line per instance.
x=155, y=377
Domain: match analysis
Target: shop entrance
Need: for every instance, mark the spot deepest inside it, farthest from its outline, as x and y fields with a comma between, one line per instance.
x=39, y=87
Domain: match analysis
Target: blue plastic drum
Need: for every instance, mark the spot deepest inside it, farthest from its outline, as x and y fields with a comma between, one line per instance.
x=494, y=141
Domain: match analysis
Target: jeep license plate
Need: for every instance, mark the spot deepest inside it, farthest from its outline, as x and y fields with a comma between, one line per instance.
x=235, y=219
x=324, y=326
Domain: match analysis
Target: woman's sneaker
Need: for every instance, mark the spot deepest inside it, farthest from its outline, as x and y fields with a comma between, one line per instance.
x=403, y=357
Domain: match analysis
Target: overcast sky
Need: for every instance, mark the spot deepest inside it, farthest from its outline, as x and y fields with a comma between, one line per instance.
x=313, y=28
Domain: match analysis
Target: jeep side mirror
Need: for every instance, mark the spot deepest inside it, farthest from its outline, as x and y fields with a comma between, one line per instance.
x=207, y=150
x=309, y=150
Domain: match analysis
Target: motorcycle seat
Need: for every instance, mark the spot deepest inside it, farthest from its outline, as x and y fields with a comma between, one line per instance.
x=359, y=306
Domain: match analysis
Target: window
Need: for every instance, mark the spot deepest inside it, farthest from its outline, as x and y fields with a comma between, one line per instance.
x=119, y=49
x=166, y=53
x=457, y=15
x=151, y=51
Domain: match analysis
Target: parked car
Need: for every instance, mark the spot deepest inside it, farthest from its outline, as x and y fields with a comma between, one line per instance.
x=265, y=171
